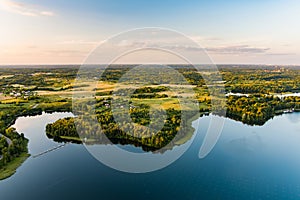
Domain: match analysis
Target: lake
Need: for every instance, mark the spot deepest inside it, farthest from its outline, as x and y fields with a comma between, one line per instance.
x=248, y=162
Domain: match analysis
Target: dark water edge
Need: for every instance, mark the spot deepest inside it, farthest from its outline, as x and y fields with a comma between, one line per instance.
x=116, y=141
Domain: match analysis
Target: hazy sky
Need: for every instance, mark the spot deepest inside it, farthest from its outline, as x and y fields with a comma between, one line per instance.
x=232, y=31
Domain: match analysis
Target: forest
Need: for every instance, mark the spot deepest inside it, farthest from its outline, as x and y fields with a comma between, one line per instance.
x=125, y=133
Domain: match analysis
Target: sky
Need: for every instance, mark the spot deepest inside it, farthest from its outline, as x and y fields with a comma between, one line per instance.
x=230, y=31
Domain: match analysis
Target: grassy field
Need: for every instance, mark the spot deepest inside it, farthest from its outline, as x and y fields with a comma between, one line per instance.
x=165, y=103
x=14, y=101
x=12, y=166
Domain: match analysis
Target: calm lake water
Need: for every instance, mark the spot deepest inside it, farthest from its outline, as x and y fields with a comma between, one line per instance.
x=260, y=162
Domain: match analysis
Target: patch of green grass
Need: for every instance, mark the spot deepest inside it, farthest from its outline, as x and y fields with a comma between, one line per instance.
x=71, y=138
x=9, y=169
x=2, y=106
x=190, y=131
x=164, y=102
x=74, y=139
x=54, y=105
x=203, y=106
x=14, y=101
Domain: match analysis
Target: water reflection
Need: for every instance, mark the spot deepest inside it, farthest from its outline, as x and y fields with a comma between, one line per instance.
x=33, y=128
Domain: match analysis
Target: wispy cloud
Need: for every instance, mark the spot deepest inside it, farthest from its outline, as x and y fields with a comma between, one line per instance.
x=80, y=42
x=226, y=49
x=281, y=54
x=238, y=49
x=24, y=8
x=205, y=39
x=66, y=53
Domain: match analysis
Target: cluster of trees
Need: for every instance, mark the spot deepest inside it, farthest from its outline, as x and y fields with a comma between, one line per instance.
x=151, y=89
x=150, y=92
x=104, y=93
x=193, y=77
x=113, y=74
x=263, y=89
x=140, y=93
x=257, y=109
x=16, y=148
x=149, y=96
x=261, y=81
x=62, y=127
x=3, y=144
x=250, y=110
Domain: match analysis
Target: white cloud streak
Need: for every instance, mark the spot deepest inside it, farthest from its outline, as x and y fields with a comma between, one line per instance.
x=24, y=9
x=238, y=49
x=228, y=49
x=80, y=42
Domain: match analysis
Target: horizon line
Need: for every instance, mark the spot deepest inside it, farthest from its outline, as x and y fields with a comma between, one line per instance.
x=77, y=64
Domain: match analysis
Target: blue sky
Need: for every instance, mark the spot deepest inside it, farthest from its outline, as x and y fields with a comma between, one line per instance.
x=232, y=31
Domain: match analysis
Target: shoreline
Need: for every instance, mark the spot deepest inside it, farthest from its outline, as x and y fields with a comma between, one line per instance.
x=11, y=168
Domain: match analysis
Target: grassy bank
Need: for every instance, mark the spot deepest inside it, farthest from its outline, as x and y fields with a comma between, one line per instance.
x=190, y=131
x=12, y=166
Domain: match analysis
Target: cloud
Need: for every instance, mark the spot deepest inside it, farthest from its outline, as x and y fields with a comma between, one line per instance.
x=238, y=49
x=66, y=53
x=227, y=50
x=281, y=54
x=205, y=39
x=47, y=13
x=24, y=9
x=230, y=49
x=80, y=42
